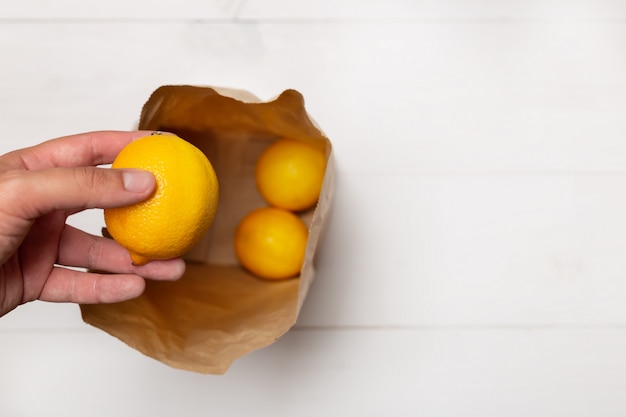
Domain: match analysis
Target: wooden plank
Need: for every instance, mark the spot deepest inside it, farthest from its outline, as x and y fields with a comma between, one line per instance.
x=119, y=9
x=321, y=9
x=434, y=372
x=490, y=97
x=432, y=9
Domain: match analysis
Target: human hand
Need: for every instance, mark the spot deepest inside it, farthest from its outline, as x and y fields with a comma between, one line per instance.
x=40, y=187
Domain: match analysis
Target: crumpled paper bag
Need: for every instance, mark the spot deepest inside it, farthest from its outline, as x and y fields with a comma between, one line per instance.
x=218, y=312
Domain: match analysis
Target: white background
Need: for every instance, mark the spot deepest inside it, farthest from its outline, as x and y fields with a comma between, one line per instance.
x=475, y=263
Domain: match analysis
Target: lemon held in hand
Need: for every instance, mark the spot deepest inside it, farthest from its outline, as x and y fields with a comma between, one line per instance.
x=289, y=174
x=270, y=242
x=182, y=207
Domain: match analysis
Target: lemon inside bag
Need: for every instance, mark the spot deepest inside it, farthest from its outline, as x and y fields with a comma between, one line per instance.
x=218, y=312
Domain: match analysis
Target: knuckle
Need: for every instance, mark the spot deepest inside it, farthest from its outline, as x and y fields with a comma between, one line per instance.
x=92, y=179
x=14, y=189
x=95, y=252
x=12, y=183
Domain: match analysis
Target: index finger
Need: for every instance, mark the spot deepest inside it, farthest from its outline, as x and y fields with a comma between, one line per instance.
x=84, y=149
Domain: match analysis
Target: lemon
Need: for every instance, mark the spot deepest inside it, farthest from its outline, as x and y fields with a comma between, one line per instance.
x=271, y=242
x=182, y=207
x=289, y=174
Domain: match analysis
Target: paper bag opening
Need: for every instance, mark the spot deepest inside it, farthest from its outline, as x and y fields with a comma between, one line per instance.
x=219, y=312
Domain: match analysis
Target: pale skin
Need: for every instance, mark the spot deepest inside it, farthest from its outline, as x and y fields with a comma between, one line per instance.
x=40, y=187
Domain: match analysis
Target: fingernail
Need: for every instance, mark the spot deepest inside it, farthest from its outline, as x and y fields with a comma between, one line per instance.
x=138, y=181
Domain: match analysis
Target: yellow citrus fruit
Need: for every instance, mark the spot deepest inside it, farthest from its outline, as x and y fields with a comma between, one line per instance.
x=289, y=174
x=270, y=242
x=182, y=207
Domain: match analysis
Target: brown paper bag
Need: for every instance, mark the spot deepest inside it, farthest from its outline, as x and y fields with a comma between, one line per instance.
x=218, y=312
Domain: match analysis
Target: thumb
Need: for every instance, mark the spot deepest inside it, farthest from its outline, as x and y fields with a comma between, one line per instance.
x=34, y=193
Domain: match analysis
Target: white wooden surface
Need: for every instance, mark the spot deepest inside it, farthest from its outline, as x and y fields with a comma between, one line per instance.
x=475, y=263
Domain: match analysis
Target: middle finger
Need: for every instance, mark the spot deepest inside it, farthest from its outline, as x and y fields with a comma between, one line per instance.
x=80, y=249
